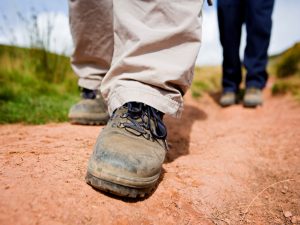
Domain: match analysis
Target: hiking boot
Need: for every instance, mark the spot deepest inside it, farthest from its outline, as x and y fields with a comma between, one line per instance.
x=228, y=99
x=90, y=110
x=253, y=97
x=129, y=152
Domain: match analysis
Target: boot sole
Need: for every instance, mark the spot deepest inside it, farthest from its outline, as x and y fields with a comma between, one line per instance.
x=228, y=104
x=81, y=121
x=117, y=189
x=252, y=105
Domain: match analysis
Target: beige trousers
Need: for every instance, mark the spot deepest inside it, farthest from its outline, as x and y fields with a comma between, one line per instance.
x=136, y=50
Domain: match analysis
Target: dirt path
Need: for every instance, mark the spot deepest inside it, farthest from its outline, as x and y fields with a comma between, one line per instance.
x=221, y=164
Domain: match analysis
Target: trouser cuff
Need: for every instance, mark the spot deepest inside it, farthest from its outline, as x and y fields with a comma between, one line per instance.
x=122, y=95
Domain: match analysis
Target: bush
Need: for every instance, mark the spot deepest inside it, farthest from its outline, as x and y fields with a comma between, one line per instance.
x=289, y=64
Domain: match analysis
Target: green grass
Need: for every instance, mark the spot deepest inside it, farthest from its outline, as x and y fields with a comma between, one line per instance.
x=35, y=86
x=288, y=85
x=206, y=80
x=286, y=67
x=289, y=63
x=39, y=87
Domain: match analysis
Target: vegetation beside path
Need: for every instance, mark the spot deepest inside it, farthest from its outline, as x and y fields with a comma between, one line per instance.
x=38, y=87
x=284, y=68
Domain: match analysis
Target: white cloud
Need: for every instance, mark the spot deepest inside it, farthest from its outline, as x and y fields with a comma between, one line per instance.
x=210, y=51
x=284, y=34
x=60, y=38
x=285, y=30
x=51, y=28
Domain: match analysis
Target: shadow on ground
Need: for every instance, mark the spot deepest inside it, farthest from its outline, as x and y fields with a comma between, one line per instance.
x=216, y=96
x=179, y=132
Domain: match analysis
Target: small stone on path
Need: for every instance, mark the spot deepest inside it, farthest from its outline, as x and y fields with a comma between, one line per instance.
x=287, y=214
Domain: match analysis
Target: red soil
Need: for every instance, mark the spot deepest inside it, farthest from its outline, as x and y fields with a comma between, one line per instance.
x=224, y=166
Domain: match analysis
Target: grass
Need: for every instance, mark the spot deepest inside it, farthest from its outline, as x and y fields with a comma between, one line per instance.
x=286, y=67
x=288, y=85
x=39, y=87
x=206, y=80
x=35, y=86
x=289, y=64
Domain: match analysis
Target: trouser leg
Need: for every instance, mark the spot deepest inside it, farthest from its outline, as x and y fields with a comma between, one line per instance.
x=91, y=25
x=258, y=24
x=230, y=18
x=155, y=47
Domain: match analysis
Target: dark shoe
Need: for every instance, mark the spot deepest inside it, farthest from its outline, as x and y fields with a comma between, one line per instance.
x=129, y=152
x=253, y=97
x=91, y=110
x=228, y=99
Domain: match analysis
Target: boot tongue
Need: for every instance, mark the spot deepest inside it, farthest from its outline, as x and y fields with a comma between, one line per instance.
x=143, y=117
x=88, y=94
x=134, y=108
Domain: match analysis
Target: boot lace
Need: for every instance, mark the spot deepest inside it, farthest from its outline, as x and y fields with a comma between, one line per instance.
x=144, y=120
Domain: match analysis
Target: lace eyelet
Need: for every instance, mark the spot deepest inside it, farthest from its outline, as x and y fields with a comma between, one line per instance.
x=125, y=115
x=147, y=136
x=120, y=125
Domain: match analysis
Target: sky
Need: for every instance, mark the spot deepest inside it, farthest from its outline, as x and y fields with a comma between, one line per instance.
x=285, y=32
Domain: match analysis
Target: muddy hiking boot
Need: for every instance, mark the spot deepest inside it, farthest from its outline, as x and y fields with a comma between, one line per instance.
x=129, y=152
x=90, y=110
x=253, y=97
x=228, y=99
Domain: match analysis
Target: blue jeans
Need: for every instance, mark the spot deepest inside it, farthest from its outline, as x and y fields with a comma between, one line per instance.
x=256, y=14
